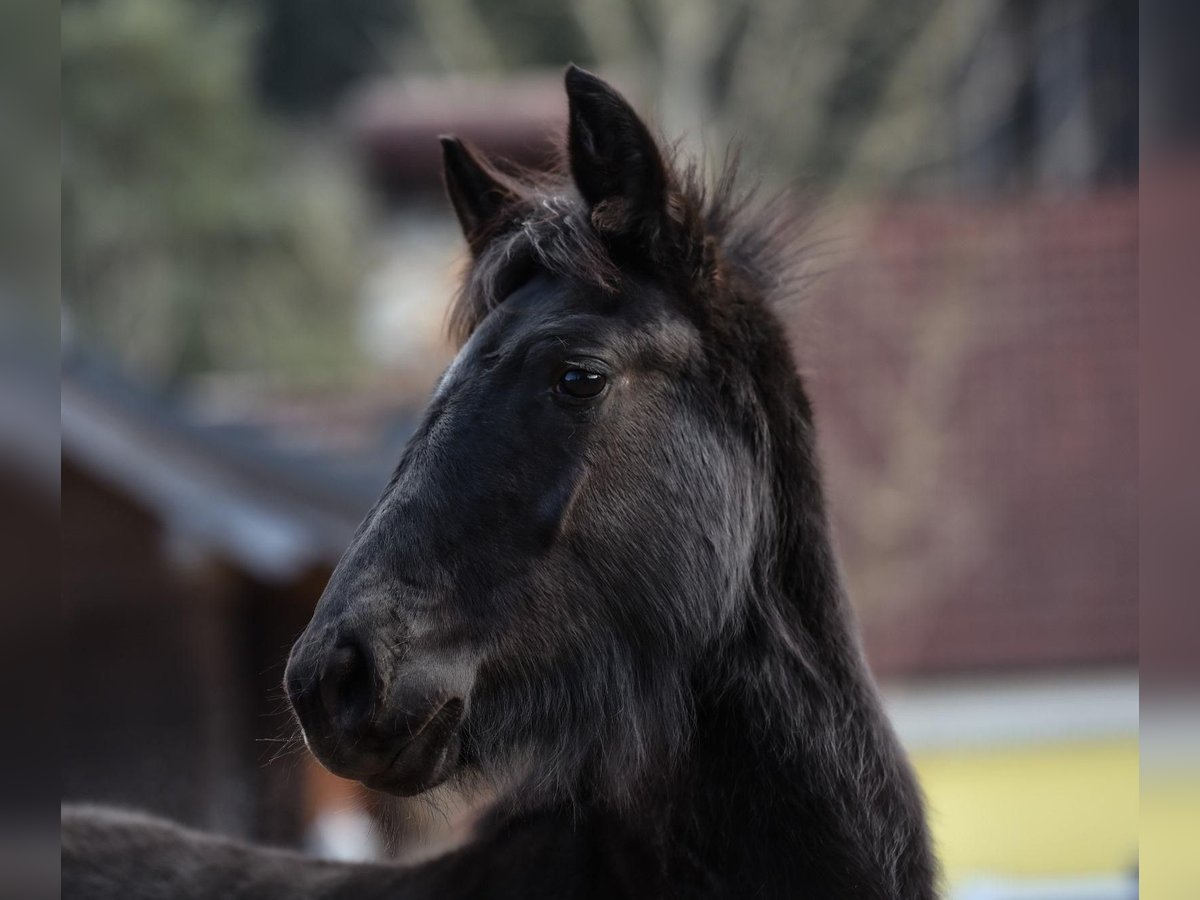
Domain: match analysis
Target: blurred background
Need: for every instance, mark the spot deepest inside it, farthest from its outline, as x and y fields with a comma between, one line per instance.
x=256, y=263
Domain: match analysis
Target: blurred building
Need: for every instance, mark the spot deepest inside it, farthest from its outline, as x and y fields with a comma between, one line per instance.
x=974, y=367
x=195, y=552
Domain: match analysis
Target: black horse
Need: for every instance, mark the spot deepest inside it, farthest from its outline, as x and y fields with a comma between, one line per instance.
x=600, y=581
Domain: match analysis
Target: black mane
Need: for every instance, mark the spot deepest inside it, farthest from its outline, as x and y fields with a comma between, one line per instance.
x=719, y=232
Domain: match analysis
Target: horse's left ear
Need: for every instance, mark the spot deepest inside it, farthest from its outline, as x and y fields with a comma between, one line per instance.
x=614, y=159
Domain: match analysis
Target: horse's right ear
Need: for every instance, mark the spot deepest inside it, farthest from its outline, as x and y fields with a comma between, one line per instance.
x=480, y=197
x=614, y=159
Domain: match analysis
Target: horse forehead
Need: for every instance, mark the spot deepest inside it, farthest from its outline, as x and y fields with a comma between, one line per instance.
x=549, y=305
x=637, y=322
x=542, y=295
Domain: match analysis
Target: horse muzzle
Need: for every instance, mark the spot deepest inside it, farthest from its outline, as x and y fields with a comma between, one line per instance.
x=391, y=724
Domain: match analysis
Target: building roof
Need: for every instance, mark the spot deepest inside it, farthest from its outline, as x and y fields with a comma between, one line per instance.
x=975, y=375
x=271, y=507
x=394, y=124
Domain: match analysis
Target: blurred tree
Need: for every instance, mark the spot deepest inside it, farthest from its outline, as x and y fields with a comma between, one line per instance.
x=29, y=175
x=530, y=32
x=309, y=52
x=862, y=95
x=192, y=242
x=852, y=94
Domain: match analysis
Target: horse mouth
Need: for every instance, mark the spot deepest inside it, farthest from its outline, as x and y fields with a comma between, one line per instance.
x=427, y=758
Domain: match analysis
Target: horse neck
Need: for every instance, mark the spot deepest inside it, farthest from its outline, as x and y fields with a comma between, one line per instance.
x=794, y=769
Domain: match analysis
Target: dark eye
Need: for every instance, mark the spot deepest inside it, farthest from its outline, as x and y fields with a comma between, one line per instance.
x=581, y=383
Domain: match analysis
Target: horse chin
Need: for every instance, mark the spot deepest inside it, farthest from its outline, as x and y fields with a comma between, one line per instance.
x=425, y=760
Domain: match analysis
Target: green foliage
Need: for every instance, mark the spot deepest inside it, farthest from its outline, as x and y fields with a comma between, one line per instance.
x=29, y=174
x=309, y=52
x=192, y=241
x=535, y=33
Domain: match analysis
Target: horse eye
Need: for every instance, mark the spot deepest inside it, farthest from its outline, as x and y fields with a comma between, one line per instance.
x=581, y=383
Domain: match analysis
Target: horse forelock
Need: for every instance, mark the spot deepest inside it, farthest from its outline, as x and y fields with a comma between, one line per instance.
x=716, y=234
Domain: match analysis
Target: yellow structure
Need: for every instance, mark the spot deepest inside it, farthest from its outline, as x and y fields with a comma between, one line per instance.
x=1064, y=809
x=1032, y=780
x=1170, y=830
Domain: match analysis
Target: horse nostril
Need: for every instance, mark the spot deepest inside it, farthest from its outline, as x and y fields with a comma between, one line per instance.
x=347, y=687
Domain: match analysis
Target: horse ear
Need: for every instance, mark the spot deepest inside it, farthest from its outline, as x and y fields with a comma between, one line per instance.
x=614, y=159
x=479, y=196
